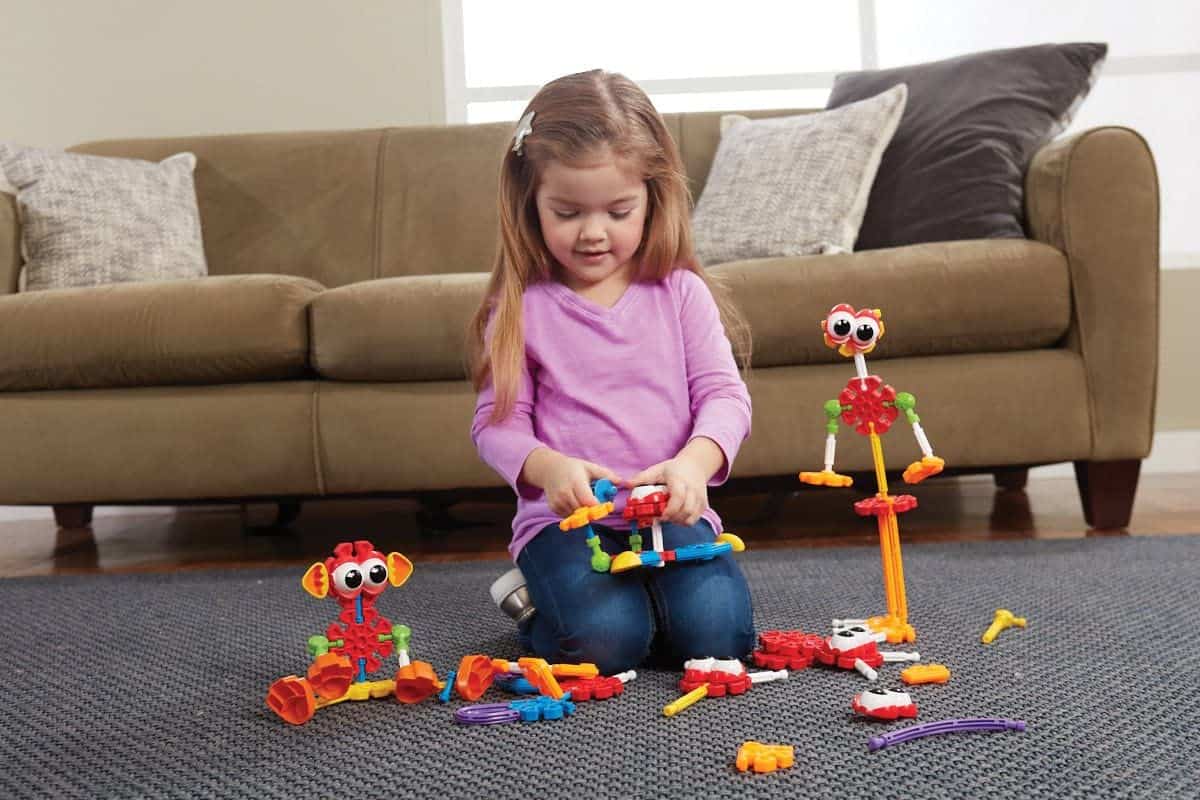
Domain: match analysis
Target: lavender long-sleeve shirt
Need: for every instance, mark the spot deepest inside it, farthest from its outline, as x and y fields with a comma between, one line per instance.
x=624, y=387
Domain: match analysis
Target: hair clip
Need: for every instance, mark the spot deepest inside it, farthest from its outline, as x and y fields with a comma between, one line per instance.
x=524, y=128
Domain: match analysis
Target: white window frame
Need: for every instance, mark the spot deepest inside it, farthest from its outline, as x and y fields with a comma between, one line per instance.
x=458, y=95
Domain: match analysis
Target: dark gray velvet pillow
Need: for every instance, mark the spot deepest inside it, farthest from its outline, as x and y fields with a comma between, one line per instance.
x=955, y=169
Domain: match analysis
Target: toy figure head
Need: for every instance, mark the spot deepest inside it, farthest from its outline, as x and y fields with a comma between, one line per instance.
x=850, y=332
x=356, y=568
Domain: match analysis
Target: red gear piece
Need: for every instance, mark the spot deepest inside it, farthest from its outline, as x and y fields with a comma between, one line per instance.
x=646, y=509
x=878, y=506
x=867, y=405
x=786, y=649
x=599, y=688
x=844, y=659
x=719, y=683
x=361, y=639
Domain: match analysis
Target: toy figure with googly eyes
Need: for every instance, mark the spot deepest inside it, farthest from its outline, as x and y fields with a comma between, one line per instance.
x=357, y=642
x=871, y=406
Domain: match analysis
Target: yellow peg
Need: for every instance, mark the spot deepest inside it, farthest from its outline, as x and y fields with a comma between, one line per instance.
x=1003, y=619
x=671, y=709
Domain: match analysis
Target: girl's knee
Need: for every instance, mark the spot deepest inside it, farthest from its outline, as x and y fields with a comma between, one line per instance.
x=613, y=633
x=714, y=619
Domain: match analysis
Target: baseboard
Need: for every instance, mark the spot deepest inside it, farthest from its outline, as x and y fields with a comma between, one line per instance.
x=1173, y=452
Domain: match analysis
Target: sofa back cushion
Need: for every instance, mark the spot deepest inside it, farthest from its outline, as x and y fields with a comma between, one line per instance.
x=346, y=206
x=291, y=203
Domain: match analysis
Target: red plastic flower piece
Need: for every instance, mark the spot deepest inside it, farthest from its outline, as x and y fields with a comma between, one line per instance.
x=598, y=688
x=878, y=506
x=867, y=398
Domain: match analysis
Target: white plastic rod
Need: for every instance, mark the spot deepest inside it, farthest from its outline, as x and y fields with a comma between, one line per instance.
x=865, y=669
x=892, y=658
x=402, y=658
x=769, y=675
x=860, y=366
x=626, y=676
x=830, y=451
x=846, y=623
x=922, y=440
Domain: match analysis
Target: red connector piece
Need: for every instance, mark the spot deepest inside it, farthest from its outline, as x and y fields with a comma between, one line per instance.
x=598, y=688
x=786, y=649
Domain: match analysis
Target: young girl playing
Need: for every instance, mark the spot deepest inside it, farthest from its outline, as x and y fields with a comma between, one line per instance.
x=600, y=352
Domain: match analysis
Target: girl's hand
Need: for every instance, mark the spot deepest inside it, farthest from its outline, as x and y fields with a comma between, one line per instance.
x=686, y=483
x=568, y=483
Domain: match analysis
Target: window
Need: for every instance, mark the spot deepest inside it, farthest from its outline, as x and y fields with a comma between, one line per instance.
x=691, y=56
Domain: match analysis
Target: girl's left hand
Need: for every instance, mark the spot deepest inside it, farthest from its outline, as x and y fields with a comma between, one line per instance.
x=685, y=482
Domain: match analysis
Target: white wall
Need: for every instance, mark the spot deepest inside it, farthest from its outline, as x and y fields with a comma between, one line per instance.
x=75, y=70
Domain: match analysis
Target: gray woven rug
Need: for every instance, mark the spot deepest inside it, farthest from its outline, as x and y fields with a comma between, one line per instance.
x=153, y=685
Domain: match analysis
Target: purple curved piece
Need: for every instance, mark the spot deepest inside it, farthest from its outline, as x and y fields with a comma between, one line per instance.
x=486, y=714
x=975, y=724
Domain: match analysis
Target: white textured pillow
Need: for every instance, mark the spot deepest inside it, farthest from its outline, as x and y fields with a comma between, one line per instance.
x=790, y=186
x=90, y=220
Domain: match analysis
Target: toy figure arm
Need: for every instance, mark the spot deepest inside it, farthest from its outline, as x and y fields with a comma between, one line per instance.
x=929, y=463
x=318, y=645
x=827, y=477
x=400, y=635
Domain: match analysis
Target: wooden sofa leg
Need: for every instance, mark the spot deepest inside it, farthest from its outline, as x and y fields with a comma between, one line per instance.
x=73, y=515
x=1013, y=479
x=1107, y=489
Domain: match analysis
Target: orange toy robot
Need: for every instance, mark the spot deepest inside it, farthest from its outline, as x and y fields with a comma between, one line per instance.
x=357, y=642
x=871, y=406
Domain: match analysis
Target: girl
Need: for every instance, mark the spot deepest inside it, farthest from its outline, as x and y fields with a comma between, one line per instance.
x=600, y=352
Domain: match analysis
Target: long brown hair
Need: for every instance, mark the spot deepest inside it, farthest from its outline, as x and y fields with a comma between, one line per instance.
x=573, y=117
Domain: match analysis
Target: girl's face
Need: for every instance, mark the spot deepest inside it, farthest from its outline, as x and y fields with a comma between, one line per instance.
x=592, y=216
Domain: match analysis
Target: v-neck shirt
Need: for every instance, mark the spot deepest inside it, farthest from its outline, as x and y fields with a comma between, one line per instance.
x=624, y=386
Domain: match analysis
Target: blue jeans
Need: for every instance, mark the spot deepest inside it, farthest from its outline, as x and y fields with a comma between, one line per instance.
x=685, y=610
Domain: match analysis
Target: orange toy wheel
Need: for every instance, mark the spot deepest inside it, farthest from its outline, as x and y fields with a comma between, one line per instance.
x=330, y=675
x=475, y=675
x=292, y=699
x=415, y=682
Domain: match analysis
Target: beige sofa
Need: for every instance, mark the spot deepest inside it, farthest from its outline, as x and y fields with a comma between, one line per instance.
x=323, y=355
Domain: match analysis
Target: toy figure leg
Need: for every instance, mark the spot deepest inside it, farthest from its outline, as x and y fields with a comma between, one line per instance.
x=583, y=615
x=703, y=607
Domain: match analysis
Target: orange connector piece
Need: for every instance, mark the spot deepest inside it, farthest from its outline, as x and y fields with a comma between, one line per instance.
x=584, y=515
x=925, y=673
x=826, y=478
x=926, y=467
x=538, y=672
x=764, y=757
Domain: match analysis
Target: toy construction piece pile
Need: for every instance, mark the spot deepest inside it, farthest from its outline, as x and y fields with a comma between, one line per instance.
x=358, y=642
x=643, y=510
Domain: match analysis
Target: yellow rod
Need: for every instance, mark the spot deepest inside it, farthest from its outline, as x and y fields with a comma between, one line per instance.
x=671, y=709
x=877, y=457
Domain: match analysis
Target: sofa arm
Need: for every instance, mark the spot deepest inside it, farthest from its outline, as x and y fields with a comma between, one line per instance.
x=10, y=244
x=1094, y=196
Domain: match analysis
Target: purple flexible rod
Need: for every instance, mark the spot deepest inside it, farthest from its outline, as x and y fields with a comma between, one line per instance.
x=486, y=714
x=980, y=724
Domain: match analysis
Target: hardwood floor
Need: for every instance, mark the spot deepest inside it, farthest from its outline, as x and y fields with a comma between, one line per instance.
x=951, y=509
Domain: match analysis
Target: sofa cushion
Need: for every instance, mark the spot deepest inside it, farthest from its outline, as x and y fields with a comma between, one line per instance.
x=89, y=220
x=937, y=299
x=796, y=185
x=955, y=168
x=202, y=331
x=395, y=329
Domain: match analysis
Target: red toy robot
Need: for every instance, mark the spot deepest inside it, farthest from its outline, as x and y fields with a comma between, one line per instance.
x=357, y=642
